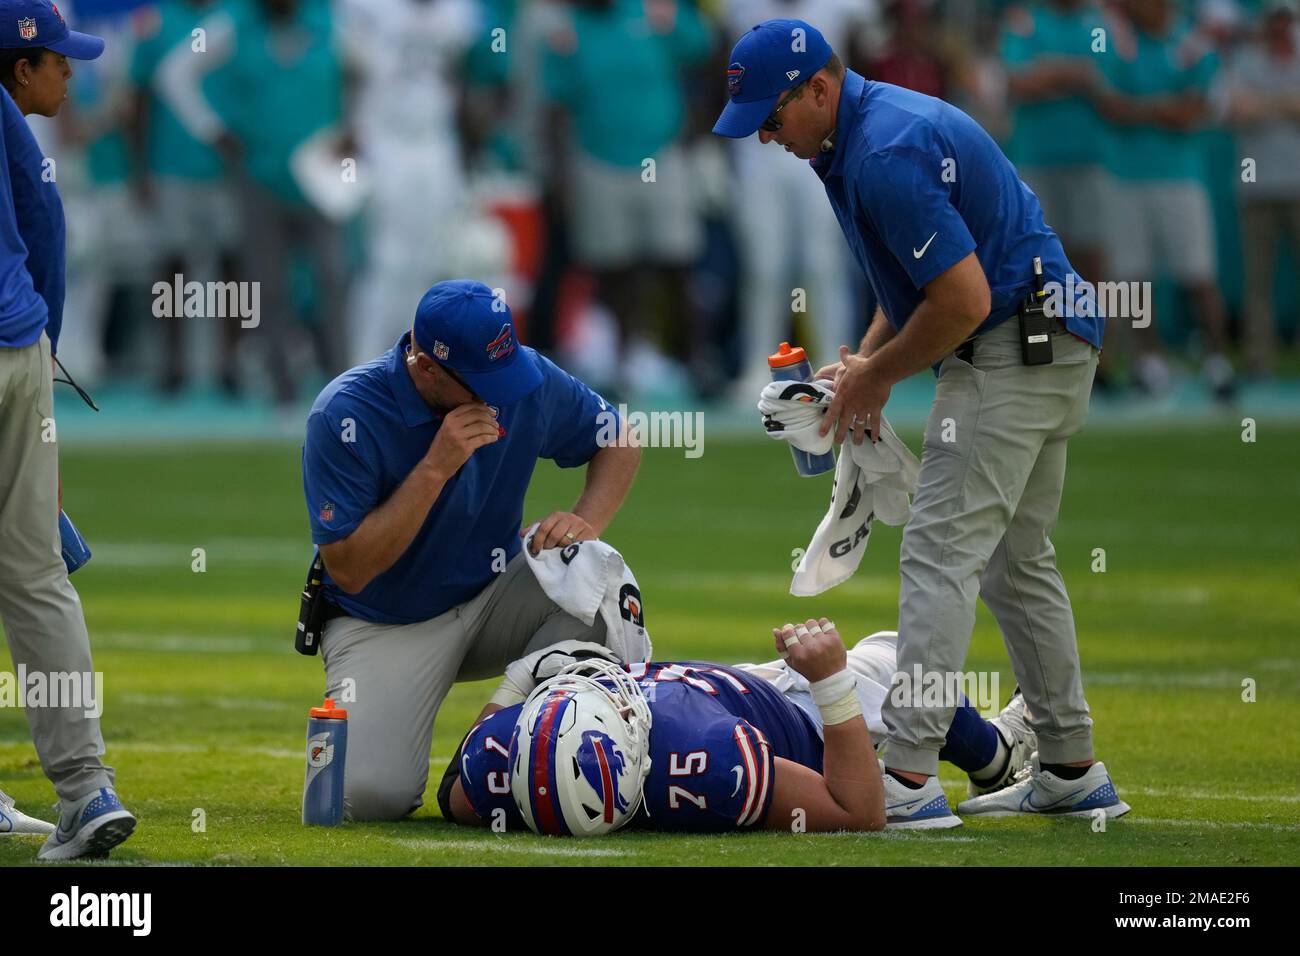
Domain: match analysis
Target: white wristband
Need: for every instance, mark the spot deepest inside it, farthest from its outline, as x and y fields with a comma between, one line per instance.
x=837, y=697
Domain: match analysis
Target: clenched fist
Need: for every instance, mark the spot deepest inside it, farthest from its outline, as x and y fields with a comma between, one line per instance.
x=464, y=429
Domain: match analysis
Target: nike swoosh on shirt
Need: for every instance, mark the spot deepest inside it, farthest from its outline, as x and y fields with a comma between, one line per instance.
x=916, y=254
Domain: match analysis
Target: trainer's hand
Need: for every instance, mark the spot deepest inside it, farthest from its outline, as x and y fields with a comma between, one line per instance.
x=465, y=429
x=830, y=372
x=558, y=530
x=859, y=399
x=813, y=648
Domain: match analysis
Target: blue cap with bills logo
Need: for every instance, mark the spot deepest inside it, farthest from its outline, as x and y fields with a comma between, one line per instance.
x=768, y=60
x=468, y=329
x=37, y=24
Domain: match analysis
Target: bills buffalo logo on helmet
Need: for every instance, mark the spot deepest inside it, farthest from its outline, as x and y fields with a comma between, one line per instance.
x=735, y=73
x=602, y=763
x=27, y=28
x=629, y=605
x=502, y=345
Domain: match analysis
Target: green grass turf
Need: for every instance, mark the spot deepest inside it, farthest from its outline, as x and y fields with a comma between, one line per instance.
x=206, y=700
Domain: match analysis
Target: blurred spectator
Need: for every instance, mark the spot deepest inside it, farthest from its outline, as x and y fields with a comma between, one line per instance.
x=613, y=74
x=282, y=71
x=1158, y=79
x=405, y=120
x=787, y=232
x=1058, y=141
x=110, y=243
x=912, y=56
x=1262, y=93
x=182, y=182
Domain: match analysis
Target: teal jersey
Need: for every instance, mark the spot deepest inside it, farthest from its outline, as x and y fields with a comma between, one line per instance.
x=171, y=150
x=620, y=79
x=284, y=84
x=1066, y=131
x=1145, y=65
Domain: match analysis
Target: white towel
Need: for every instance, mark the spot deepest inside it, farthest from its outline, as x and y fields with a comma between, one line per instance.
x=872, y=481
x=587, y=578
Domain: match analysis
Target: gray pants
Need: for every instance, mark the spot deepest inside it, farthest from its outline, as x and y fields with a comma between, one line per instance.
x=277, y=231
x=1265, y=223
x=992, y=471
x=41, y=612
x=401, y=672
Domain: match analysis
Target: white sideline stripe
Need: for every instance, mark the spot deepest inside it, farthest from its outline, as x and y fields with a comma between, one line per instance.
x=1189, y=794
x=181, y=643
x=222, y=703
x=179, y=748
x=1212, y=824
x=495, y=846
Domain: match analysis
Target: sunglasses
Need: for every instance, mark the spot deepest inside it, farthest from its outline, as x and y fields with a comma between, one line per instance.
x=772, y=124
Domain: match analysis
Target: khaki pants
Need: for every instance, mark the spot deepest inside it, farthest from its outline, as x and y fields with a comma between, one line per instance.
x=992, y=471
x=41, y=612
x=400, y=673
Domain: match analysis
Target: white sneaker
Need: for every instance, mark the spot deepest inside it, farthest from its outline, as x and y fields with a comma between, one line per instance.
x=91, y=826
x=1013, y=727
x=14, y=822
x=924, y=809
x=1042, y=792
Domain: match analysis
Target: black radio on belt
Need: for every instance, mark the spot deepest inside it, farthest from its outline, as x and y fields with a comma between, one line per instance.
x=1036, y=326
x=312, y=613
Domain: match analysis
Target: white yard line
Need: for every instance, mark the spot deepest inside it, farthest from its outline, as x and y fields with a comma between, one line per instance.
x=498, y=846
x=1211, y=824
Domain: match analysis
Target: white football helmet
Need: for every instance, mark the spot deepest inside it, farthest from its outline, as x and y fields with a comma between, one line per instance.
x=581, y=751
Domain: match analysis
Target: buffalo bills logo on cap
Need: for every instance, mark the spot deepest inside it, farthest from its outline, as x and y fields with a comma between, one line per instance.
x=27, y=28
x=735, y=73
x=502, y=345
x=602, y=765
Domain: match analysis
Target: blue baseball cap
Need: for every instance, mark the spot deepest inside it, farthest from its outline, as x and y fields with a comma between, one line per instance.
x=36, y=24
x=768, y=60
x=467, y=329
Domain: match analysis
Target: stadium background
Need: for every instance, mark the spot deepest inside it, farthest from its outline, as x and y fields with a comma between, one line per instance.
x=205, y=698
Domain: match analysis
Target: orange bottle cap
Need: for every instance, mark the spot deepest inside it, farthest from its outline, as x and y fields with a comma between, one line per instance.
x=786, y=355
x=329, y=711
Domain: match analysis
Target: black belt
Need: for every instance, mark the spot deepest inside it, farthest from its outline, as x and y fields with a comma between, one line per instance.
x=332, y=611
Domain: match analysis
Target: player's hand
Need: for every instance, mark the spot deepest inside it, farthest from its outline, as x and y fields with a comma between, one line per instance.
x=813, y=648
x=560, y=529
x=465, y=429
x=860, y=397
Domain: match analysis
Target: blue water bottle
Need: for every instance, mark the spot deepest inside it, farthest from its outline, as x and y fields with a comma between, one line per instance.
x=327, y=746
x=791, y=365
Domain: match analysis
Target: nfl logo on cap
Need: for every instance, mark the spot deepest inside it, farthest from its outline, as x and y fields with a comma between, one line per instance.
x=27, y=28
x=440, y=351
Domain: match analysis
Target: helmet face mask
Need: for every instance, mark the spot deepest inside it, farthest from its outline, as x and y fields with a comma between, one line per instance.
x=581, y=751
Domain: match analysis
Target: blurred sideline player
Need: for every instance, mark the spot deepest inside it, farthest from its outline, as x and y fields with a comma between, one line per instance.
x=791, y=237
x=708, y=747
x=404, y=55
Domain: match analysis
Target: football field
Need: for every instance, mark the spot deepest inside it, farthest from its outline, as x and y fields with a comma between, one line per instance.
x=1197, y=607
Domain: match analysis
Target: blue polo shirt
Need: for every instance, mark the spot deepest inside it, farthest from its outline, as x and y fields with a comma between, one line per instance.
x=31, y=248
x=917, y=185
x=39, y=209
x=480, y=509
